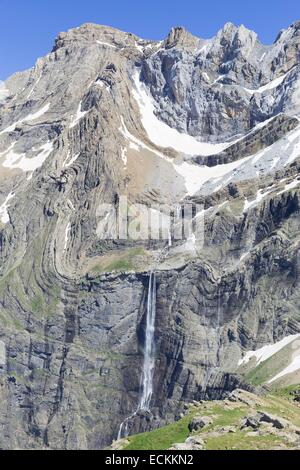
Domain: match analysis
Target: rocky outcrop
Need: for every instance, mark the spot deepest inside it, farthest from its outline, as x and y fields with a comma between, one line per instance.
x=252, y=143
x=199, y=422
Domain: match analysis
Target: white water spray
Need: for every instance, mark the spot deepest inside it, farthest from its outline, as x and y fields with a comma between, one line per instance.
x=170, y=239
x=149, y=352
x=149, y=357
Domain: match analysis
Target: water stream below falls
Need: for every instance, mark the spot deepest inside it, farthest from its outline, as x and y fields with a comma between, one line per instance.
x=149, y=357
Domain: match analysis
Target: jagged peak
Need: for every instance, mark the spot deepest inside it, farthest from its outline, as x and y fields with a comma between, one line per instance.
x=230, y=32
x=229, y=26
x=180, y=36
x=89, y=32
x=287, y=33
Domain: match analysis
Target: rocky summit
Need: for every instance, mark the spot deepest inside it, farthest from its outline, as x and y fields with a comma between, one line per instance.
x=103, y=337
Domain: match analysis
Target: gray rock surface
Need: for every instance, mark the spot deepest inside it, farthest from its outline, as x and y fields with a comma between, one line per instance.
x=73, y=306
x=199, y=422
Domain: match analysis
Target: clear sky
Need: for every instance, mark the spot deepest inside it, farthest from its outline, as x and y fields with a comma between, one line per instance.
x=28, y=27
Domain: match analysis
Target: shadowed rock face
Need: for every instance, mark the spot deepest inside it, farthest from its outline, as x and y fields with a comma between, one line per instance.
x=84, y=127
x=193, y=78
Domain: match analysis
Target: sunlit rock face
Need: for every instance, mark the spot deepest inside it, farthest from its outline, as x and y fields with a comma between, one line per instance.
x=105, y=116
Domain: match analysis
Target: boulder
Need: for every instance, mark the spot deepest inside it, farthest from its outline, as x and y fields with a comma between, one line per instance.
x=191, y=443
x=262, y=417
x=199, y=422
x=247, y=398
x=276, y=421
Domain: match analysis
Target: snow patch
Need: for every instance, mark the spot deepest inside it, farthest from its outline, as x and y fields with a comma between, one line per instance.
x=102, y=43
x=34, y=87
x=269, y=86
x=281, y=153
x=133, y=146
x=262, y=57
x=2, y=353
x=260, y=195
x=195, y=175
x=165, y=136
x=137, y=144
x=289, y=186
x=244, y=255
x=30, y=117
x=293, y=146
x=139, y=47
x=101, y=83
x=4, y=215
x=4, y=92
x=38, y=114
x=69, y=161
x=274, y=162
x=220, y=77
x=268, y=351
x=292, y=367
x=79, y=115
x=124, y=156
x=205, y=75
x=70, y=205
x=67, y=232
x=20, y=161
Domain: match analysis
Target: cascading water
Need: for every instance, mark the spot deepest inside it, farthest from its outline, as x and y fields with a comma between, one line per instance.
x=149, y=352
x=169, y=239
x=149, y=357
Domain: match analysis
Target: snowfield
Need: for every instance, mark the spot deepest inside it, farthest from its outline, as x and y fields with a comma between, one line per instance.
x=21, y=162
x=165, y=136
x=4, y=216
x=78, y=116
x=269, y=86
x=210, y=179
x=69, y=161
x=293, y=367
x=268, y=351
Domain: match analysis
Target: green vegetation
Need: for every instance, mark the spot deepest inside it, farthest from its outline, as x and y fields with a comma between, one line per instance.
x=162, y=438
x=45, y=303
x=120, y=265
x=262, y=373
x=37, y=303
x=286, y=392
x=240, y=441
x=29, y=294
x=279, y=403
x=128, y=260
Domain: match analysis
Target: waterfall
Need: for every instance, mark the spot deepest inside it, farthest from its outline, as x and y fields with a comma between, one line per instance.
x=149, y=357
x=123, y=429
x=170, y=239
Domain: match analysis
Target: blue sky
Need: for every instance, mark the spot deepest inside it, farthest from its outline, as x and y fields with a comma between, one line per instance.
x=28, y=27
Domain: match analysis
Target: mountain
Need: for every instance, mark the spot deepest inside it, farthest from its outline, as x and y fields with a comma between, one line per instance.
x=102, y=335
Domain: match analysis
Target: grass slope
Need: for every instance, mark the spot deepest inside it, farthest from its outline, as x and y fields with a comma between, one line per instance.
x=279, y=403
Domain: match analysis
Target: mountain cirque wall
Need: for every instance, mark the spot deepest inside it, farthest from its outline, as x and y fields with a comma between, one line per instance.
x=106, y=114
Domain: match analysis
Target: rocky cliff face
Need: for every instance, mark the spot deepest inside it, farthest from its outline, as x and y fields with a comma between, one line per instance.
x=105, y=115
